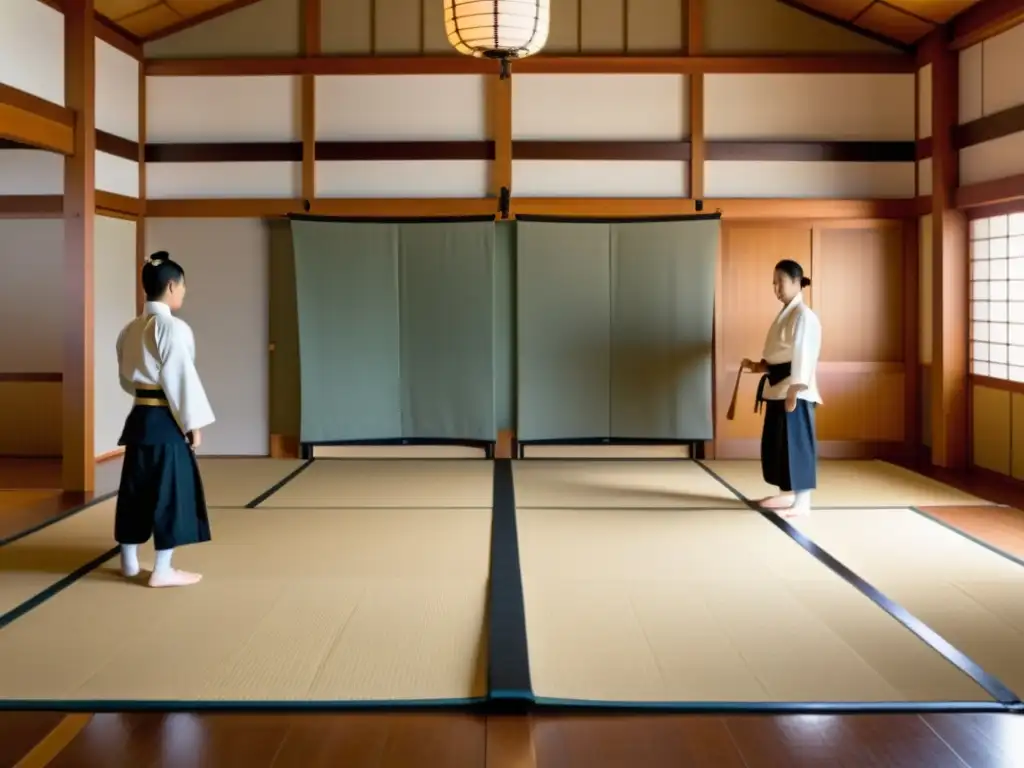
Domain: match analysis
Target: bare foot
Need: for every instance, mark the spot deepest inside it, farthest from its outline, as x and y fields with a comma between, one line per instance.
x=799, y=510
x=784, y=501
x=174, y=578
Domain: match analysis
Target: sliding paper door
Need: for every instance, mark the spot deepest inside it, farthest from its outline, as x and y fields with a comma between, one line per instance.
x=396, y=330
x=564, y=330
x=663, y=289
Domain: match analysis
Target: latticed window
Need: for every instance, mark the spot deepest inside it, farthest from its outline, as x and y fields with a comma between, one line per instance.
x=997, y=297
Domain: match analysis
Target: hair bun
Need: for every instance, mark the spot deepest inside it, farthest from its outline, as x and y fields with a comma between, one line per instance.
x=158, y=258
x=804, y=282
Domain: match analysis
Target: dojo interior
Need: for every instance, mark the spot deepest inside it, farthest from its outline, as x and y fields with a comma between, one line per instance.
x=471, y=341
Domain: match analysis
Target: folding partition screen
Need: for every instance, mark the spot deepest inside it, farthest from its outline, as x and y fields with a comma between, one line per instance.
x=396, y=330
x=615, y=323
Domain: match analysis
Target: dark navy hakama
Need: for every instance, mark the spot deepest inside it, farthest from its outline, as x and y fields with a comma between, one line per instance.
x=161, y=493
x=789, y=443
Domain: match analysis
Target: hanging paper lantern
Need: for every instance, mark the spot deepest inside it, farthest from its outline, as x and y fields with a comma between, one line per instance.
x=497, y=29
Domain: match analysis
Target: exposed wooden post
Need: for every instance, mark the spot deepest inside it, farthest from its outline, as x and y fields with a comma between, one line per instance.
x=695, y=47
x=311, y=47
x=140, y=227
x=950, y=270
x=499, y=108
x=79, y=458
x=695, y=190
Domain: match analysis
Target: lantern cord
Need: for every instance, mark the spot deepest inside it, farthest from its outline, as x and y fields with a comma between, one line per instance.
x=505, y=69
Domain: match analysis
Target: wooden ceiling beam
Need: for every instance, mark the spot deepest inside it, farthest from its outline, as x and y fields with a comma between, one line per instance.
x=463, y=65
x=984, y=20
x=28, y=119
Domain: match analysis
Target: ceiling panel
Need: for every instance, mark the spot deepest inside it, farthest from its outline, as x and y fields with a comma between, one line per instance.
x=146, y=18
x=901, y=22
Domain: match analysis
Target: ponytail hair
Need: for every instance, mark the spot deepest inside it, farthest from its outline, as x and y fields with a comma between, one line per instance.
x=794, y=271
x=158, y=272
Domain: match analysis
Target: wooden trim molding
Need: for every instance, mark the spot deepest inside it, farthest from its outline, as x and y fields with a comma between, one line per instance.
x=32, y=377
x=813, y=151
x=466, y=65
x=292, y=152
x=983, y=20
x=987, y=193
x=1000, y=384
x=736, y=209
x=31, y=206
x=52, y=206
x=29, y=120
x=110, y=202
x=117, y=146
x=989, y=127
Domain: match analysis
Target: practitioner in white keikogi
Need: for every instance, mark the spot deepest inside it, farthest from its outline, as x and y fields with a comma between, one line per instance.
x=788, y=393
x=161, y=493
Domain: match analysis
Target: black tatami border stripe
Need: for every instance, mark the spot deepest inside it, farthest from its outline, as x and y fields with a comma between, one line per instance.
x=980, y=542
x=56, y=588
x=991, y=684
x=508, y=663
x=58, y=518
x=279, y=485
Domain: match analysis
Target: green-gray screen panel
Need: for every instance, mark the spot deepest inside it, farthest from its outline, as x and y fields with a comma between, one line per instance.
x=447, y=330
x=663, y=288
x=346, y=277
x=505, y=324
x=563, y=319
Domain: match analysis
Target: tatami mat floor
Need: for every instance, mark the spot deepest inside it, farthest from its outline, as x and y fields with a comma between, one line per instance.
x=645, y=582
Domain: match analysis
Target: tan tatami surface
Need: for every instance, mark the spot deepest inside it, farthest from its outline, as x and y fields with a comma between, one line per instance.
x=644, y=581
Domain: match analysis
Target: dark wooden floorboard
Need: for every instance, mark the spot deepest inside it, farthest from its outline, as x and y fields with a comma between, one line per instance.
x=853, y=741
x=982, y=741
x=634, y=741
x=1002, y=527
x=277, y=741
x=20, y=731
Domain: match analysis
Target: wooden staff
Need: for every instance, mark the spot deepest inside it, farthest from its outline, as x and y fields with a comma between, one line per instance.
x=731, y=413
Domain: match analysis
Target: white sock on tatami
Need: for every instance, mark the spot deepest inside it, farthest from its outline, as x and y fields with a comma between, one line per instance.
x=130, y=560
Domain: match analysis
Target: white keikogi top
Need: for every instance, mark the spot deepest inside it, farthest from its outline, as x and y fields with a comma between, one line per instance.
x=158, y=350
x=795, y=338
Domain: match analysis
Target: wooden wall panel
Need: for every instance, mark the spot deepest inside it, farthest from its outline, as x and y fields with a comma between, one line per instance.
x=990, y=411
x=30, y=418
x=858, y=293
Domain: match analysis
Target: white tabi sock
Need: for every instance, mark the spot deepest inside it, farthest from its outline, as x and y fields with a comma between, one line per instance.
x=129, y=559
x=163, y=560
x=802, y=500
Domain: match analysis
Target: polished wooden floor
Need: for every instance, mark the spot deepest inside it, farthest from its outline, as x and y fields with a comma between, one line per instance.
x=152, y=740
